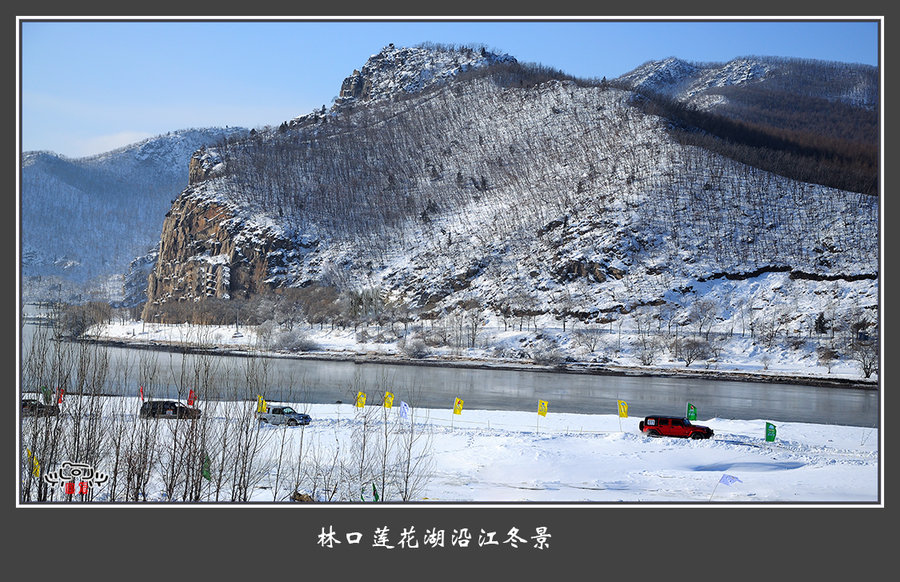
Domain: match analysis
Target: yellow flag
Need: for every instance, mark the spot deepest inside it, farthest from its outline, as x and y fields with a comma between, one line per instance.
x=457, y=406
x=35, y=465
x=360, y=399
x=542, y=407
x=261, y=405
x=388, y=400
x=623, y=409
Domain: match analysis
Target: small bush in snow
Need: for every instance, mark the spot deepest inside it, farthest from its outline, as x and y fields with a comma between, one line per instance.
x=547, y=353
x=437, y=339
x=414, y=347
x=797, y=343
x=647, y=349
x=266, y=331
x=548, y=357
x=293, y=341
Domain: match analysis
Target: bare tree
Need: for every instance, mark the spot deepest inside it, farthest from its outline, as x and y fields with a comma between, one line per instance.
x=865, y=354
x=360, y=467
x=692, y=349
x=827, y=356
x=647, y=349
x=704, y=313
x=414, y=461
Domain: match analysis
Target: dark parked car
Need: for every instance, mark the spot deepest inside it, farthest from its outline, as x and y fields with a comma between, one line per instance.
x=673, y=426
x=168, y=409
x=31, y=407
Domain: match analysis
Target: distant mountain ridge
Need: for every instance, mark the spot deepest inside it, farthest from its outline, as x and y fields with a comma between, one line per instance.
x=90, y=217
x=816, y=121
x=696, y=83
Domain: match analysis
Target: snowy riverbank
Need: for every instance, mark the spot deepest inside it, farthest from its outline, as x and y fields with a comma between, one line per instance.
x=740, y=359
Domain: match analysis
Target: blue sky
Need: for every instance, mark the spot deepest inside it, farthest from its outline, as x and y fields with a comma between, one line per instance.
x=89, y=87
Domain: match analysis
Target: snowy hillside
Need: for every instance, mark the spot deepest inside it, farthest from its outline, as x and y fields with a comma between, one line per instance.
x=852, y=84
x=454, y=189
x=490, y=206
x=490, y=218
x=89, y=218
x=683, y=80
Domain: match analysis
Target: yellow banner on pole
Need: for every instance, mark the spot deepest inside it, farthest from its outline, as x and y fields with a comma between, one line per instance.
x=623, y=409
x=261, y=405
x=457, y=406
x=388, y=400
x=542, y=407
x=35, y=465
x=360, y=399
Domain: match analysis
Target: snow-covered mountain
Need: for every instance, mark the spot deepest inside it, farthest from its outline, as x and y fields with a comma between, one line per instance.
x=89, y=218
x=701, y=83
x=814, y=121
x=395, y=71
x=450, y=182
x=500, y=199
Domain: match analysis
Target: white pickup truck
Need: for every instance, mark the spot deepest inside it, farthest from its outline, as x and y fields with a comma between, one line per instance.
x=279, y=414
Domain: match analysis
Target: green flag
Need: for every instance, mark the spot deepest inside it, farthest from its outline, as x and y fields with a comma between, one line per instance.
x=770, y=432
x=206, y=465
x=374, y=492
x=691, y=412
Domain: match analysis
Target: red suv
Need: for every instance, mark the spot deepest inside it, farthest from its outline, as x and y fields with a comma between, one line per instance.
x=673, y=426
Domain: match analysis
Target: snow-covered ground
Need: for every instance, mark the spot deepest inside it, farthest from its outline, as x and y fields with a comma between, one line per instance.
x=490, y=457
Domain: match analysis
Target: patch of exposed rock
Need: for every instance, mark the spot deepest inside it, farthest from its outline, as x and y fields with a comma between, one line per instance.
x=206, y=251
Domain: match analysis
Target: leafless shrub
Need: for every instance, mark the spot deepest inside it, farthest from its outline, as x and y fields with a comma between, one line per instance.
x=294, y=341
x=414, y=347
x=548, y=353
x=647, y=349
x=692, y=349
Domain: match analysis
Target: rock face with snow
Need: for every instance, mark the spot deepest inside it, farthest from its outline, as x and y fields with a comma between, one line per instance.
x=204, y=164
x=683, y=80
x=205, y=252
x=395, y=71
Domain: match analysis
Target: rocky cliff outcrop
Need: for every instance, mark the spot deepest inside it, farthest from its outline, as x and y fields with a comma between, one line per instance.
x=356, y=87
x=405, y=70
x=204, y=164
x=206, y=251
